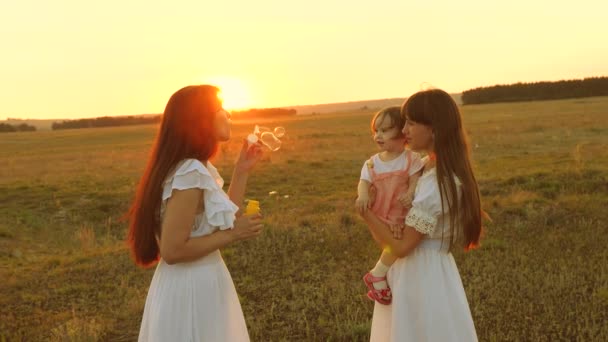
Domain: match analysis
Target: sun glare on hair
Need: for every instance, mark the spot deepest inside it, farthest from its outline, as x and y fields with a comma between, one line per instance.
x=233, y=92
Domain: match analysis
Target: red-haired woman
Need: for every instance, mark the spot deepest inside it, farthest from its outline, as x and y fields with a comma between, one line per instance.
x=181, y=217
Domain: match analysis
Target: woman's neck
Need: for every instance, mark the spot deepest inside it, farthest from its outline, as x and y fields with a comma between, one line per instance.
x=432, y=162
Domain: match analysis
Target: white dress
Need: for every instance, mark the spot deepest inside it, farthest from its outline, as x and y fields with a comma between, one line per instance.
x=196, y=301
x=429, y=302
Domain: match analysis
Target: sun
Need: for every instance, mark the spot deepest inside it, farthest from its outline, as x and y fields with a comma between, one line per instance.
x=234, y=92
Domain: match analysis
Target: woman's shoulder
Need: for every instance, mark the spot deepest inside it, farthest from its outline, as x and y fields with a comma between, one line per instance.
x=423, y=160
x=427, y=183
x=428, y=188
x=191, y=165
x=413, y=154
x=190, y=173
x=431, y=174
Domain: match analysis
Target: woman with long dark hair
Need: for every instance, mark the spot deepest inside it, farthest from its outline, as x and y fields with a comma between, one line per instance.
x=428, y=299
x=181, y=217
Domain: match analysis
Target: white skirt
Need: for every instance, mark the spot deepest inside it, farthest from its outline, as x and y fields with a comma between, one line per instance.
x=429, y=302
x=193, y=301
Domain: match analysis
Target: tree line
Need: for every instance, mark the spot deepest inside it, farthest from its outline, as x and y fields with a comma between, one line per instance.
x=111, y=121
x=106, y=121
x=587, y=87
x=5, y=128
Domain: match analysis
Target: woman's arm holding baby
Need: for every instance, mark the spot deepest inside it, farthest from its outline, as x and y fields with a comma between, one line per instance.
x=400, y=243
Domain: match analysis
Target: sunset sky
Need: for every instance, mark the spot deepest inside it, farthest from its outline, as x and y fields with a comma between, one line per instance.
x=75, y=59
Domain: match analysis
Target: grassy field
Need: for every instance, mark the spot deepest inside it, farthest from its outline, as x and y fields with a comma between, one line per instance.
x=541, y=274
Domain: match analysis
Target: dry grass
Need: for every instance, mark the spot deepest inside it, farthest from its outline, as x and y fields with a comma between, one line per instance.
x=540, y=275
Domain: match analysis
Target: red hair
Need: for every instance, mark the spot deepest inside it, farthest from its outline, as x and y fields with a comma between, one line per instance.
x=187, y=130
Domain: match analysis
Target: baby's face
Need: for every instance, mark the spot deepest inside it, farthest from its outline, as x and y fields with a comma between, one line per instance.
x=387, y=135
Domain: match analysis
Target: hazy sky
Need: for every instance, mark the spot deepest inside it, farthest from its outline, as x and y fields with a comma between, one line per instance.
x=74, y=58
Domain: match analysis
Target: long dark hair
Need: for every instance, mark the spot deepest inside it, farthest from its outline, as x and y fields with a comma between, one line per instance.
x=437, y=109
x=186, y=131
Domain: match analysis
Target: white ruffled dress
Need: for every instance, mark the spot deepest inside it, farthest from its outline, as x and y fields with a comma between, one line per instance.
x=429, y=302
x=196, y=301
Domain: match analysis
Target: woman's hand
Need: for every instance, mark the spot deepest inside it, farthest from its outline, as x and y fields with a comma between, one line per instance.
x=248, y=156
x=397, y=230
x=247, y=227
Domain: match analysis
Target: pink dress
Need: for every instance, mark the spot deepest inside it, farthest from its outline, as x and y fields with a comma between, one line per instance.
x=389, y=185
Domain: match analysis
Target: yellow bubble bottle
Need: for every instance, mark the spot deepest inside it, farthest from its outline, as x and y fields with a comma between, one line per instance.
x=253, y=207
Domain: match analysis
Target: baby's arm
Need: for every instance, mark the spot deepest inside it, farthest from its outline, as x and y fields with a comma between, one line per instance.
x=407, y=198
x=362, y=203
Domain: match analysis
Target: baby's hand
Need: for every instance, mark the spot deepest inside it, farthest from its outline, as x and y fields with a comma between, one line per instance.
x=362, y=204
x=406, y=200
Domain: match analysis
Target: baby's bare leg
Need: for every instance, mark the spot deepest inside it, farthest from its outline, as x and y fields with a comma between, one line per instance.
x=381, y=268
x=387, y=258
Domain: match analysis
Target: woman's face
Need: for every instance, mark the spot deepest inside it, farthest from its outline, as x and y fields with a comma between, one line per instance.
x=222, y=124
x=418, y=136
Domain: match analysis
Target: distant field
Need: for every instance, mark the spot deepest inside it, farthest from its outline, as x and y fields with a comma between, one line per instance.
x=541, y=274
x=343, y=107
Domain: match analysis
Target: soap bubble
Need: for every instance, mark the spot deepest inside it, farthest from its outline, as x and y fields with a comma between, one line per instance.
x=279, y=132
x=266, y=136
x=270, y=141
x=260, y=129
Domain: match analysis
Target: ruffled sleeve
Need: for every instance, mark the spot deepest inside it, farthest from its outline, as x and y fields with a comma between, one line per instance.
x=192, y=174
x=426, y=207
